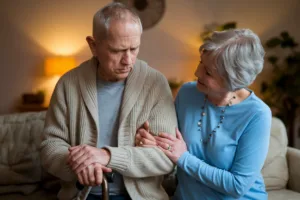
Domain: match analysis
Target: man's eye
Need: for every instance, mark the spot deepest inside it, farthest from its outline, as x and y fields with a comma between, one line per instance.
x=115, y=51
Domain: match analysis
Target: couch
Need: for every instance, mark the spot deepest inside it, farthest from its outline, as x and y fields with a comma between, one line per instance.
x=281, y=170
x=22, y=177
x=21, y=174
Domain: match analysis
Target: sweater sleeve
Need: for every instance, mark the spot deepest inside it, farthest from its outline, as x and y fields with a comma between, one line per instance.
x=141, y=162
x=54, y=148
x=249, y=159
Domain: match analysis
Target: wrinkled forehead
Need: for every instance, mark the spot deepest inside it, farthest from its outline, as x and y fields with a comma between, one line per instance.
x=123, y=28
x=105, y=27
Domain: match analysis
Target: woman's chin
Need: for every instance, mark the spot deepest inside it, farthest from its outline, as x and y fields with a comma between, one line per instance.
x=201, y=87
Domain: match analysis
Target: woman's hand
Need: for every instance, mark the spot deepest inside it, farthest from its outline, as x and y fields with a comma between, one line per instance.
x=171, y=146
x=144, y=138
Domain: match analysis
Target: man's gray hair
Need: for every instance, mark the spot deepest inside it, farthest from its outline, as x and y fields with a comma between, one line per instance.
x=116, y=11
x=238, y=56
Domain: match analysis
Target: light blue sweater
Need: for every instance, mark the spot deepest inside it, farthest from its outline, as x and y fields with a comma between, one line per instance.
x=109, y=97
x=229, y=165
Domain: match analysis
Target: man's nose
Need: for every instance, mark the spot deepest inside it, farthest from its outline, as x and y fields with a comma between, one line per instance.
x=127, y=58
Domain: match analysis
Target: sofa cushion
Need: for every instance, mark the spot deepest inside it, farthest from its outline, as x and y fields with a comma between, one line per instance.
x=283, y=194
x=20, y=138
x=275, y=170
x=37, y=195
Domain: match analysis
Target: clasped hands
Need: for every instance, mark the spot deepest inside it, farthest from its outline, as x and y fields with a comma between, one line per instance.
x=89, y=163
x=173, y=147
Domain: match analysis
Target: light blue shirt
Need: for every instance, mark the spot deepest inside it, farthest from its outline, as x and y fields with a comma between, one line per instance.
x=229, y=165
x=109, y=96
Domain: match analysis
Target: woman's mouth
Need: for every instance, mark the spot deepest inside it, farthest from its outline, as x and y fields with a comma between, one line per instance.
x=200, y=82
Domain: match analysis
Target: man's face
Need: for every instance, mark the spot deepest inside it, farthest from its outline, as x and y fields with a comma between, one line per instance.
x=118, y=51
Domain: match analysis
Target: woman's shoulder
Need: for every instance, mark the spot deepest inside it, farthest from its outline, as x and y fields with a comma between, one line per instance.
x=189, y=87
x=254, y=106
x=260, y=105
x=189, y=94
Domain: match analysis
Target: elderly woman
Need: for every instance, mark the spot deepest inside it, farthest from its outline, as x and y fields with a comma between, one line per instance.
x=225, y=127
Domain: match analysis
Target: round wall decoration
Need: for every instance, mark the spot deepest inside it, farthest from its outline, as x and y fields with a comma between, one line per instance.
x=150, y=11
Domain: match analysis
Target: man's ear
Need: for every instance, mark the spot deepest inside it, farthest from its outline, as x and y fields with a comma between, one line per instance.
x=92, y=44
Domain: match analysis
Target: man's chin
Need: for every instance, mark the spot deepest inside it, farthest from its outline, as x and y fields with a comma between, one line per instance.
x=122, y=76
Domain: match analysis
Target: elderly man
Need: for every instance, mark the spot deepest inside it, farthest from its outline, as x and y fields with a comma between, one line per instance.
x=96, y=110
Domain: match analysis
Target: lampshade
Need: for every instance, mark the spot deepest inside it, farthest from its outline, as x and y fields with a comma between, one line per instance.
x=58, y=65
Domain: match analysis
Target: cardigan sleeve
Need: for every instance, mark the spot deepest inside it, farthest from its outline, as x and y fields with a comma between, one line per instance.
x=54, y=148
x=141, y=162
x=250, y=155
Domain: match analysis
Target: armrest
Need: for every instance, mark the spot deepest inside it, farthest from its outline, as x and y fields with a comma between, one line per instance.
x=293, y=159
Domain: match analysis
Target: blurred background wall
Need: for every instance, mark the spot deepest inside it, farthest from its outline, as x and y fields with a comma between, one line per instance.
x=33, y=30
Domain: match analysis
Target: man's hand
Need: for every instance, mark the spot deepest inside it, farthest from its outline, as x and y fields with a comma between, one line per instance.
x=80, y=157
x=91, y=175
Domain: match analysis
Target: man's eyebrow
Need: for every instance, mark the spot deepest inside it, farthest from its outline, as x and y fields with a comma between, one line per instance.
x=122, y=49
x=135, y=47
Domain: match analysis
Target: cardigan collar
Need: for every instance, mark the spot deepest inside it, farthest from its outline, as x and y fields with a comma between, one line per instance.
x=88, y=87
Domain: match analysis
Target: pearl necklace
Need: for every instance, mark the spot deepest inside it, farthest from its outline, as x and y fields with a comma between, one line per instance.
x=203, y=114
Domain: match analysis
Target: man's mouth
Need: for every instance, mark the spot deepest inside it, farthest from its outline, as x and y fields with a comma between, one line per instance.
x=125, y=70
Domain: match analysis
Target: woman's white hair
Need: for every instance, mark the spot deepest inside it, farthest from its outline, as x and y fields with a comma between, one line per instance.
x=238, y=56
x=116, y=11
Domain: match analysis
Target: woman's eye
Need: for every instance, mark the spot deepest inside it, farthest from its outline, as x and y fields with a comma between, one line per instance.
x=207, y=73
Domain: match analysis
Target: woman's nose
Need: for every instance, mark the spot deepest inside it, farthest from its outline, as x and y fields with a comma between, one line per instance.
x=198, y=71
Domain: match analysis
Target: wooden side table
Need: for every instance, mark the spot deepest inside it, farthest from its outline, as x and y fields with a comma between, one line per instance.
x=32, y=108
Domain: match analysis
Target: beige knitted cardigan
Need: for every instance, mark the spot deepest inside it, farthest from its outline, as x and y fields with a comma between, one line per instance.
x=72, y=119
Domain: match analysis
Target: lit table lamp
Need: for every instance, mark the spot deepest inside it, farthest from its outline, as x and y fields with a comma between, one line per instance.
x=58, y=65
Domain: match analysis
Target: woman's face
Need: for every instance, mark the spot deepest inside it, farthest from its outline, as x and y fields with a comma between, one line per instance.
x=209, y=80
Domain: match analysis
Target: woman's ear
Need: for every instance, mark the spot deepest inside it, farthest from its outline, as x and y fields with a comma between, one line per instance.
x=92, y=44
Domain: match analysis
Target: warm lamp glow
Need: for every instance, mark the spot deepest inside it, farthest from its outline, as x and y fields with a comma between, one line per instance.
x=58, y=65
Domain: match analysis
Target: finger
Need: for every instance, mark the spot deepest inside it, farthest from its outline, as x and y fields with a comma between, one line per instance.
x=80, y=178
x=148, y=146
x=74, y=148
x=72, y=152
x=98, y=175
x=167, y=136
x=138, y=138
x=147, y=135
x=74, y=155
x=91, y=175
x=139, y=143
x=106, y=169
x=83, y=161
x=147, y=142
x=83, y=165
x=84, y=176
x=165, y=146
x=147, y=126
x=178, y=134
x=164, y=140
x=166, y=152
